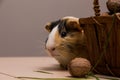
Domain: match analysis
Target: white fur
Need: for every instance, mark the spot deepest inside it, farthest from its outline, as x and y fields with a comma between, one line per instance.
x=71, y=17
x=51, y=39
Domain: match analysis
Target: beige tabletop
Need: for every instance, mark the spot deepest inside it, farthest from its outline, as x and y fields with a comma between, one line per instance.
x=33, y=67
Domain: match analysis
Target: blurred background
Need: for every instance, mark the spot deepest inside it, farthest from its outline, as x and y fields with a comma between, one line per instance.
x=22, y=22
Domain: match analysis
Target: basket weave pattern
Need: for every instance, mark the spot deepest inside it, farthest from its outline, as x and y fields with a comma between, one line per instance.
x=97, y=30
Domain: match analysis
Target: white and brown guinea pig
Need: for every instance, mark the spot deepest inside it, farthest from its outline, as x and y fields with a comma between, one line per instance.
x=66, y=40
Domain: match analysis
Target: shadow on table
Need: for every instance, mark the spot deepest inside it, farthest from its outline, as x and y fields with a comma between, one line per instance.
x=54, y=67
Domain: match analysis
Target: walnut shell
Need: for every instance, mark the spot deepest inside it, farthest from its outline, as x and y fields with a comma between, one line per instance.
x=79, y=67
x=113, y=6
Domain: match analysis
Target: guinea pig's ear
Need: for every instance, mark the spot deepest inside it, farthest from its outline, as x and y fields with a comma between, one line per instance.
x=73, y=24
x=47, y=27
x=51, y=25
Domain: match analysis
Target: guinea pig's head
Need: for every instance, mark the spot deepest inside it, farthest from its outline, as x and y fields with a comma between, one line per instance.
x=66, y=40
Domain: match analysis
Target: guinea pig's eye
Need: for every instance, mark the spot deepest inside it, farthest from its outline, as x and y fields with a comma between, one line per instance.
x=63, y=34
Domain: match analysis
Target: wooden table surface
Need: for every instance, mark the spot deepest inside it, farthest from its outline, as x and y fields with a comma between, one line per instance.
x=32, y=67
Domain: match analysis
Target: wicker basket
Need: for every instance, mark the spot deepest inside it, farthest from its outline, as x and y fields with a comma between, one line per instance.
x=103, y=42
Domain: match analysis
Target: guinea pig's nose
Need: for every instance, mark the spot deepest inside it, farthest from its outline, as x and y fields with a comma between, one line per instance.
x=51, y=49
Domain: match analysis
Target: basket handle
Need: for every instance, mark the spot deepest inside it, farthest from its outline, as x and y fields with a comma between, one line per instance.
x=96, y=7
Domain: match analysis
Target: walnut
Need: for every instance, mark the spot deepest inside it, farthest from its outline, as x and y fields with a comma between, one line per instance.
x=79, y=67
x=113, y=6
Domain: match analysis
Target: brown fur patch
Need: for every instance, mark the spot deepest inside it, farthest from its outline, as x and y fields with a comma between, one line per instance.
x=58, y=39
x=72, y=23
x=47, y=27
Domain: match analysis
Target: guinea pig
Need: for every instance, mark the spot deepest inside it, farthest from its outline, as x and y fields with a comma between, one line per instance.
x=66, y=40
